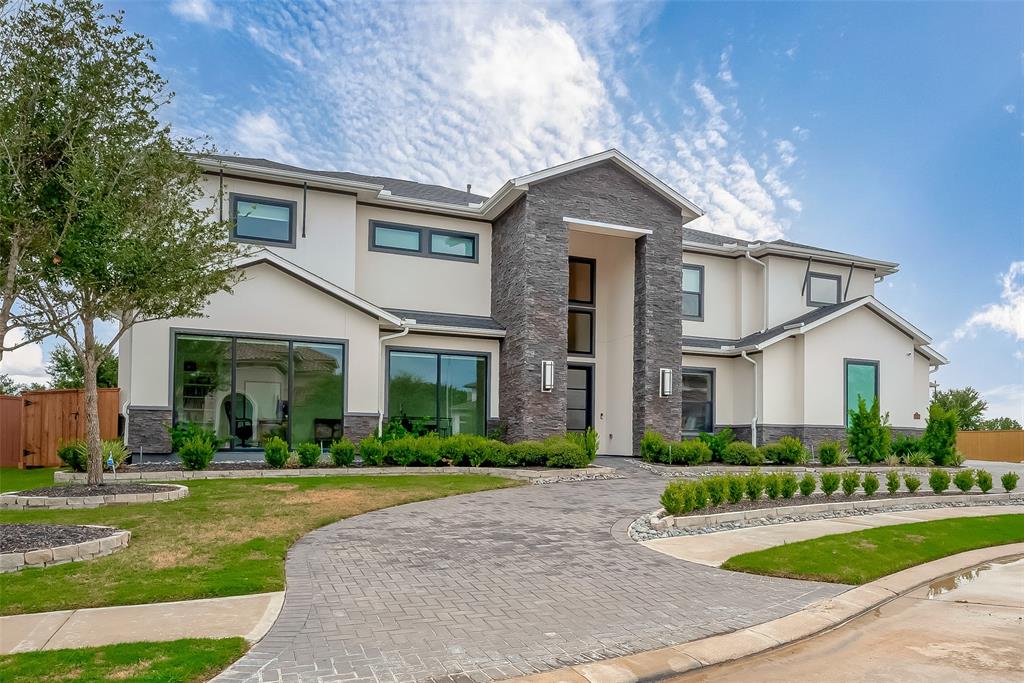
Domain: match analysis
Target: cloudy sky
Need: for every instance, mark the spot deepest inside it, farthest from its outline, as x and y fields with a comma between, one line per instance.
x=889, y=130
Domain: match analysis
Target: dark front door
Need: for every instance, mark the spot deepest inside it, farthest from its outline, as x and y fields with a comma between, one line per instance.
x=579, y=411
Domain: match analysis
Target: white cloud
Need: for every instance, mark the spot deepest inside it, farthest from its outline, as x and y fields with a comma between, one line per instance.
x=1005, y=401
x=202, y=12
x=262, y=136
x=724, y=69
x=1005, y=316
x=24, y=365
x=786, y=151
x=1010, y=108
x=801, y=133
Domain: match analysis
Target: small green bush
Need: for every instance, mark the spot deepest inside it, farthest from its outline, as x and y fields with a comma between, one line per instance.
x=807, y=484
x=868, y=435
x=309, y=454
x=911, y=482
x=736, y=487
x=829, y=483
x=964, y=480
x=692, y=452
x=343, y=452
x=373, y=451
x=700, y=495
x=527, y=454
x=74, y=454
x=196, y=453
x=716, y=487
x=565, y=454
x=918, y=459
x=788, y=484
x=677, y=498
x=183, y=431
x=653, y=447
x=851, y=480
x=742, y=453
x=790, y=451
x=938, y=480
x=1009, y=481
x=754, y=485
x=772, y=485
x=870, y=484
x=829, y=453
x=939, y=438
x=718, y=442
x=588, y=441
x=903, y=445
x=769, y=452
x=892, y=481
x=275, y=452
x=984, y=481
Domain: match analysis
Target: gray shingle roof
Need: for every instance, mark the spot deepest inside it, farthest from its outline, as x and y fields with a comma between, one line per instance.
x=397, y=187
x=478, y=322
x=714, y=239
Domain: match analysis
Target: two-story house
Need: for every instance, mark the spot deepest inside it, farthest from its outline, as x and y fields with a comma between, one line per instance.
x=572, y=297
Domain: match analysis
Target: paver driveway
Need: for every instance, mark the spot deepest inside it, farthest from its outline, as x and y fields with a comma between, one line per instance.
x=497, y=584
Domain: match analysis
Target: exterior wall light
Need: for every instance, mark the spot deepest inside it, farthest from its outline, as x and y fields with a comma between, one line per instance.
x=665, y=385
x=547, y=375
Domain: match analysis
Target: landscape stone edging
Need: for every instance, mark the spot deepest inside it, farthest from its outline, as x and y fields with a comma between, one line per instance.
x=14, y=500
x=658, y=521
x=533, y=476
x=76, y=552
x=697, y=471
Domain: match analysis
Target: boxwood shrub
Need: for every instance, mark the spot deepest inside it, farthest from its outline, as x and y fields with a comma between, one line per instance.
x=742, y=453
x=196, y=453
x=790, y=451
x=343, y=452
x=984, y=481
x=829, y=483
x=74, y=454
x=938, y=480
x=829, y=453
x=373, y=452
x=275, y=452
x=309, y=454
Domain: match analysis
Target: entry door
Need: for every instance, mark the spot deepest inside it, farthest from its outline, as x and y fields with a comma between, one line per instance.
x=579, y=411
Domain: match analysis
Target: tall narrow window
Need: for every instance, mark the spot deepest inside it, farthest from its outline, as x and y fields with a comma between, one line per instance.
x=823, y=289
x=259, y=220
x=693, y=292
x=861, y=382
x=581, y=306
x=697, y=390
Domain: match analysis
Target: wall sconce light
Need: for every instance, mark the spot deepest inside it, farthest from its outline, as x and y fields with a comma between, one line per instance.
x=547, y=375
x=665, y=385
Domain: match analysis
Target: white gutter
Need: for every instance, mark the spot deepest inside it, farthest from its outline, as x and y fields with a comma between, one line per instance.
x=764, y=286
x=753, y=419
x=380, y=371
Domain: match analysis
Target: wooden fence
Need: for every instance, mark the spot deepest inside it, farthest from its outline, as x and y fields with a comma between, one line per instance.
x=34, y=424
x=996, y=446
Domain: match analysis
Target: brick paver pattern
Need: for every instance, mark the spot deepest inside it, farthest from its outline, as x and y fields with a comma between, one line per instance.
x=498, y=584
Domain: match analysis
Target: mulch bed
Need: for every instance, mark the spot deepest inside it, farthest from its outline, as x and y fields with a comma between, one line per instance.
x=24, y=537
x=766, y=503
x=83, y=490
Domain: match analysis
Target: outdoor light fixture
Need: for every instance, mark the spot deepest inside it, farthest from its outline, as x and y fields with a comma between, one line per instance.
x=666, y=382
x=547, y=375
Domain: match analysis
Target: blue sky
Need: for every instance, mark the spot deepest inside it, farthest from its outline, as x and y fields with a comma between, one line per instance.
x=885, y=129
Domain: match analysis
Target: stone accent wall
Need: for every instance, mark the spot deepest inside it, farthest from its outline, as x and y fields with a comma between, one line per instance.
x=358, y=427
x=147, y=429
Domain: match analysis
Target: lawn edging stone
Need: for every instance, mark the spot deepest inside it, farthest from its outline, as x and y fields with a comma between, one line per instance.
x=76, y=552
x=17, y=501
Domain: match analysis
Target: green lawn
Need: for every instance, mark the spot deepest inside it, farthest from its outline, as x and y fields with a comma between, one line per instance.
x=171, y=662
x=228, y=537
x=13, y=479
x=862, y=556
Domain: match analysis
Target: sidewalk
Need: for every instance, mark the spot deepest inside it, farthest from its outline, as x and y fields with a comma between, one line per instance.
x=715, y=548
x=246, y=616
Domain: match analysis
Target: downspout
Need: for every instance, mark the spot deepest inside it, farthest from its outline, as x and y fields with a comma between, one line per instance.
x=380, y=372
x=764, y=286
x=753, y=419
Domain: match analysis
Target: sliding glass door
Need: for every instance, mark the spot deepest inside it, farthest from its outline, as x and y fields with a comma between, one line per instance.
x=442, y=392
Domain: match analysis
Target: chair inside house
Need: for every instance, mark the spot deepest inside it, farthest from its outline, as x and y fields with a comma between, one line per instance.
x=244, y=421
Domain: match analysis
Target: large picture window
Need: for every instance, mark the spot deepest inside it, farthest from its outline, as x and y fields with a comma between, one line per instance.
x=260, y=220
x=442, y=392
x=246, y=390
x=693, y=292
x=861, y=381
x=698, y=394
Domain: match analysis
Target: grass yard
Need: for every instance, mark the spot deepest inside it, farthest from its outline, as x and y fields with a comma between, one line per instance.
x=228, y=537
x=177, y=661
x=862, y=556
x=13, y=479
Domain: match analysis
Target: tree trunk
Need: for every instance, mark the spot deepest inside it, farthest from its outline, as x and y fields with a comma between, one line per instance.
x=92, y=403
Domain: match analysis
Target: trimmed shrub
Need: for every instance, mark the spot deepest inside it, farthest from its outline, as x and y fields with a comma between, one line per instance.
x=373, y=451
x=275, y=452
x=829, y=483
x=653, y=447
x=790, y=451
x=527, y=454
x=717, y=442
x=1009, y=481
x=939, y=438
x=565, y=454
x=870, y=484
x=196, y=453
x=74, y=454
x=769, y=452
x=807, y=484
x=183, y=431
x=736, y=485
x=716, y=487
x=964, y=480
x=700, y=495
x=677, y=498
x=938, y=480
x=851, y=480
x=892, y=481
x=772, y=485
x=788, y=484
x=911, y=482
x=754, y=485
x=829, y=453
x=868, y=435
x=588, y=441
x=918, y=459
x=309, y=454
x=984, y=481
x=343, y=452
x=692, y=452
x=742, y=453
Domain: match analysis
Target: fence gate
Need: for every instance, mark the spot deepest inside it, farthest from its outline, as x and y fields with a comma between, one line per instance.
x=49, y=418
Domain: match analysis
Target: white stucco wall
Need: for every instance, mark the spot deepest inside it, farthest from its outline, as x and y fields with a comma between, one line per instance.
x=721, y=287
x=419, y=283
x=786, y=300
x=613, y=337
x=782, y=388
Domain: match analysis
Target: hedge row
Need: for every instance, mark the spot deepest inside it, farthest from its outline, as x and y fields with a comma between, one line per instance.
x=431, y=450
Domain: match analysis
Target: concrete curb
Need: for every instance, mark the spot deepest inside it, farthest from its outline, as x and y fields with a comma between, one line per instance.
x=77, y=552
x=15, y=500
x=815, y=619
x=533, y=476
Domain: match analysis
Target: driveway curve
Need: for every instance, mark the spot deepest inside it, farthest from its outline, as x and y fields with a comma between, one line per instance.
x=498, y=584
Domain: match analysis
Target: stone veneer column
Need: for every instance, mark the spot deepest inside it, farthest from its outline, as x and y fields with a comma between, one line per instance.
x=148, y=430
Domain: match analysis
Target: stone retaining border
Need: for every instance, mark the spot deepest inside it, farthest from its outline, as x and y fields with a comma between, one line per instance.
x=548, y=476
x=77, y=552
x=659, y=521
x=15, y=500
x=707, y=470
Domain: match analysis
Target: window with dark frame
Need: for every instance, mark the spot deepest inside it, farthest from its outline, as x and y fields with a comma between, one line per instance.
x=823, y=289
x=693, y=292
x=697, y=390
x=860, y=381
x=412, y=240
x=582, y=298
x=262, y=220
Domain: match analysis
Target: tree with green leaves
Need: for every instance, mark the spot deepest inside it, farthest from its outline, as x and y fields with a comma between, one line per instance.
x=967, y=403
x=939, y=438
x=66, y=371
x=997, y=423
x=868, y=436
x=137, y=239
